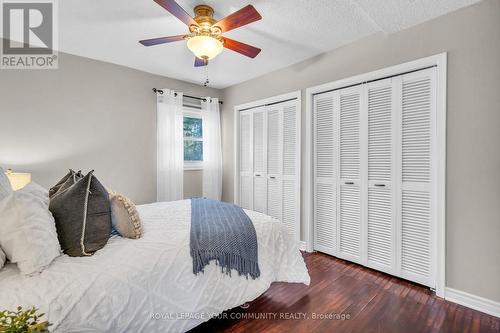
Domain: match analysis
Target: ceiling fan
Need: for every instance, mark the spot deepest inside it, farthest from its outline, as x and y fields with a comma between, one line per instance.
x=204, y=38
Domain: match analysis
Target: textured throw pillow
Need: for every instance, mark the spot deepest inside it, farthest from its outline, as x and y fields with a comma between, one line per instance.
x=27, y=231
x=124, y=216
x=83, y=216
x=5, y=190
x=71, y=178
x=37, y=191
x=5, y=187
x=2, y=258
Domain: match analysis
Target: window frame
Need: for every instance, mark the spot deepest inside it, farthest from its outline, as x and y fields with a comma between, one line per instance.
x=191, y=112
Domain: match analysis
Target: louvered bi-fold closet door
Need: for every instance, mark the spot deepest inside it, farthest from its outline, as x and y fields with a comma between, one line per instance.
x=291, y=166
x=417, y=175
x=259, y=160
x=381, y=150
x=325, y=131
x=274, y=161
x=269, y=159
x=349, y=196
x=246, y=160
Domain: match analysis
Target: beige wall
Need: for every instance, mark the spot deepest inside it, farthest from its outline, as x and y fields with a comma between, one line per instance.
x=87, y=115
x=472, y=39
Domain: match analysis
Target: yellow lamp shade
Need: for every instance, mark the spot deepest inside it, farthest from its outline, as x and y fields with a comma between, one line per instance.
x=205, y=47
x=18, y=180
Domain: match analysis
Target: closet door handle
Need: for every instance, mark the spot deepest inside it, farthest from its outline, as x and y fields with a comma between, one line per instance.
x=349, y=183
x=257, y=175
x=379, y=185
x=272, y=177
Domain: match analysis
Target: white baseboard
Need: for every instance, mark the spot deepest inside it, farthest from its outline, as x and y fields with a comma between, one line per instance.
x=302, y=246
x=472, y=301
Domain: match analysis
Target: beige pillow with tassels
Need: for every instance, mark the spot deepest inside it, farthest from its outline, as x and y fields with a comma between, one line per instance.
x=124, y=216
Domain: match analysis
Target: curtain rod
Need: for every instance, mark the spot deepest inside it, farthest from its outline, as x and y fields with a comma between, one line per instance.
x=193, y=97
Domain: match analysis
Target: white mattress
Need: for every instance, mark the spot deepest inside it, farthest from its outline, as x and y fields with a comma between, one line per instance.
x=147, y=285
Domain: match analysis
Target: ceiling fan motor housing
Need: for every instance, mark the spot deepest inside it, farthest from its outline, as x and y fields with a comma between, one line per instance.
x=204, y=16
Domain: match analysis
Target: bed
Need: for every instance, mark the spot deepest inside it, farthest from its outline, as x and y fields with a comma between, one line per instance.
x=147, y=285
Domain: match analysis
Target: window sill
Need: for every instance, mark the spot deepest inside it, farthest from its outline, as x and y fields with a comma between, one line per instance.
x=195, y=167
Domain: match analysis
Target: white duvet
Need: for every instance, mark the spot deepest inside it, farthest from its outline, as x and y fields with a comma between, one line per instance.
x=147, y=285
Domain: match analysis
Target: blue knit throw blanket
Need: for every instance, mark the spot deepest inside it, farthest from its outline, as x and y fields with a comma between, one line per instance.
x=223, y=232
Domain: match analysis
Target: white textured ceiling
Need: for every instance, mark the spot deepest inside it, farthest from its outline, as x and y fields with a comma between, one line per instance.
x=290, y=31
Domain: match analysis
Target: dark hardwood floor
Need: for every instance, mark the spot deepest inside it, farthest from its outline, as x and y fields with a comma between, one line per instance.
x=358, y=299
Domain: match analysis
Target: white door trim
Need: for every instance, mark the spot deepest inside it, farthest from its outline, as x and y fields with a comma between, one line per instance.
x=438, y=60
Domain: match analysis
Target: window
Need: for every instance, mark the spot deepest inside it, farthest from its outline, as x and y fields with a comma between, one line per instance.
x=193, y=141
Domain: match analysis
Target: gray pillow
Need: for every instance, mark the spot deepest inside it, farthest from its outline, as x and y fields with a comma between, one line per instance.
x=71, y=178
x=3, y=258
x=83, y=216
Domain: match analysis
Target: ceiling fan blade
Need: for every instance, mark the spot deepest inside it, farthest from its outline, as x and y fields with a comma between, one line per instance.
x=200, y=62
x=161, y=40
x=176, y=10
x=245, y=49
x=238, y=19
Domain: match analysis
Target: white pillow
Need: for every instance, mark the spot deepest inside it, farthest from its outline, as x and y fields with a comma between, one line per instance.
x=28, y=236
x=37, y=191
x=2, y=258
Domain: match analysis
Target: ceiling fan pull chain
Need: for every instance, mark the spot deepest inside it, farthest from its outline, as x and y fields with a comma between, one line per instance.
x=207, y=81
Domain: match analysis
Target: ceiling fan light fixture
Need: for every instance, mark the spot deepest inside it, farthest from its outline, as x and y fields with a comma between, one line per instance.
x=205, y=47
x=205, y=38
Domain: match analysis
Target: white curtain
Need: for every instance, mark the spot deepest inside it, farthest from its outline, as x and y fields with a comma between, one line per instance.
x=212, y=149
x=170, y=146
